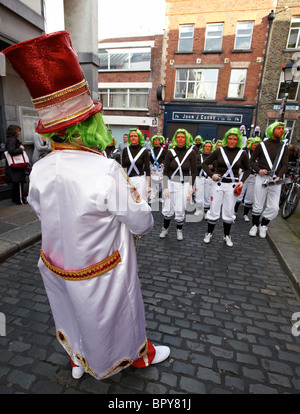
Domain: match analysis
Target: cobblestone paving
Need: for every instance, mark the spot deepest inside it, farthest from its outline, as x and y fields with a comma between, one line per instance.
x=226, y=314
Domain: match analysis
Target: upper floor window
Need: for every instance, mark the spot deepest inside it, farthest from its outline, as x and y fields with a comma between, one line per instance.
x=214, y=36
x=237, y=83
x=294, y=35
x=243, y=37
x=186, y=38
x=125, y=59
x=293, y=89
x=196, y=83
x=124, y=98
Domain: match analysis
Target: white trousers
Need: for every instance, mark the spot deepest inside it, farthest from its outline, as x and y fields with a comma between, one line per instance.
x=222, y=196
x=266, y=199
x=176, y=202
x=203, y=191
x=249, y=196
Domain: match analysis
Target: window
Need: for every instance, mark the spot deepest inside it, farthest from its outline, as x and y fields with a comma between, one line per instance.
x=196, y=83
x=127, y=98
x=294, y=35
x=186, y=38
x=125, y=59
x=214, y=35
x=293, y=90
x=243, y=37
x=237, y=83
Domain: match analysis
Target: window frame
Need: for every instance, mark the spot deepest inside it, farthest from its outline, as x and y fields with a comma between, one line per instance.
x=180, y=38
x=281, y=82
x=210, y=37
x=128, y=92
x=237, y=83
x=126, y=51
x=194, y=82
x=294, y=20
x=240, y=36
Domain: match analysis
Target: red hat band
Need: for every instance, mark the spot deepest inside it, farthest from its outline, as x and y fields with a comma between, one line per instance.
x=49, y=66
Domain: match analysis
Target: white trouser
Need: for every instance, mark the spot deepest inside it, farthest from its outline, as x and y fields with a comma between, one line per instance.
x=266, y=199
x=203, y=191
x=249, y=196
x=176, y=202
x=140, y=183
x=222, y=196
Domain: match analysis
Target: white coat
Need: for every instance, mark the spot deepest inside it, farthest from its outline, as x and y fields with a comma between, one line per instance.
x=88, y=212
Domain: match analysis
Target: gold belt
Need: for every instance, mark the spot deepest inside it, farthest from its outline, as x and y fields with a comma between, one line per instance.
x=88, y=272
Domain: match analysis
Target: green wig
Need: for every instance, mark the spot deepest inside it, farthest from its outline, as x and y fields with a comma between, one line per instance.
x=198, y=137
x=91, y=132
x=188, y=138
x=233, y=131
x=215, y=144
x=253, y=140
x=141, y=136
x=270, y=130
x=110, y=137
x=207, y=142
x=160, y=137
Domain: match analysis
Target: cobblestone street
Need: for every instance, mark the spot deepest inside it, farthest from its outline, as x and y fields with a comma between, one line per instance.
x=226, y=314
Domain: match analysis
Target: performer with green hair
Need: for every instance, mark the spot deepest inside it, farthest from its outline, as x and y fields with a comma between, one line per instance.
x=157, y=158
x=89, y=213
x=203, y=181
x=179, y=179
x=136, y=162
x=248, y=189
x=111, y=151
x=270, y=161
x=228, y=160
x=198, y=144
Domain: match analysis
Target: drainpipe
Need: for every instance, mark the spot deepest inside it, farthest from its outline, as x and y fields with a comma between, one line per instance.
x=271, y=18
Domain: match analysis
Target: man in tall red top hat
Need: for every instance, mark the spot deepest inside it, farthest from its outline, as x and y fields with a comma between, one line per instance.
x=89, y=212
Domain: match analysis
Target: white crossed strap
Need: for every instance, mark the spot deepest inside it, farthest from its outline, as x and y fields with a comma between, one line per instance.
x=202, y=172
x=133, y=160
x=229, y=167
x=273, y=168
x=156, y=158
x=180, y=163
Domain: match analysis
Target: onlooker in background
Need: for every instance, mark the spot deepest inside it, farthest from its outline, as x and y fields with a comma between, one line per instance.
x=16, y=176
x=42, y=147
x=148, y=144
x=123, y=145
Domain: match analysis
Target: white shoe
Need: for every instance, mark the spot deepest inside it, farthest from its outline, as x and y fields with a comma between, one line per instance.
x=246, y=218
x=162, y=353
x=179, y=235
x=77, y=372
x=253, y=231
x=262, y=231
x=227, y=240
x=163, y=233
x=197, y=212
x=207, y=238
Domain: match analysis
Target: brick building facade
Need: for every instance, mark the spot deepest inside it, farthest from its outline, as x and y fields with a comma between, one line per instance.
x=129, y=75
x=213, y=57
x=284, y=44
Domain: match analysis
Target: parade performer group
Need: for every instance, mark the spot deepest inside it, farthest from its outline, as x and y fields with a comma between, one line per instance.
x=89, y=213
x=92, y=209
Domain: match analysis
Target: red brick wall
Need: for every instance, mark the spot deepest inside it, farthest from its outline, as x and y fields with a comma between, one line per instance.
x=230, y=12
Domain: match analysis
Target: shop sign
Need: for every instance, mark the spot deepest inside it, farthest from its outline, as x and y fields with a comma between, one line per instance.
x=207, y=117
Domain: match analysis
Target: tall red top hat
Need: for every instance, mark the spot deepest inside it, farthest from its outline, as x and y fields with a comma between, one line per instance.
x=49, y=66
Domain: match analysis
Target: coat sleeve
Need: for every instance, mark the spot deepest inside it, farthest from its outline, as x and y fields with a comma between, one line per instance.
x=124, y=202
